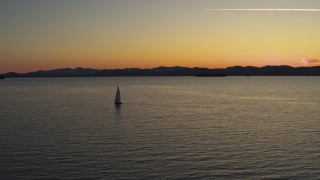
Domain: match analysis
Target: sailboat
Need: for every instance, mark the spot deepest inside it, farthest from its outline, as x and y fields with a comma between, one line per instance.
x=117, y=99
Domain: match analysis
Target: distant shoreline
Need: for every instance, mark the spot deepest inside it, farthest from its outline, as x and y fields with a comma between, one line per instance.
x=49, y=77
x=173, y=71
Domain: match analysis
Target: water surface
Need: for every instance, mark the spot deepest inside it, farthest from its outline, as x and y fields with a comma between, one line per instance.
x=167, y=128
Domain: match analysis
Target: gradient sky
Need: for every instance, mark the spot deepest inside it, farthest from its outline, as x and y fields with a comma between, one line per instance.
x=49, y=34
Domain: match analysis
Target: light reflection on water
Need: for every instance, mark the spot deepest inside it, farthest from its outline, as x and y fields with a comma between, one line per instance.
x=168, y=127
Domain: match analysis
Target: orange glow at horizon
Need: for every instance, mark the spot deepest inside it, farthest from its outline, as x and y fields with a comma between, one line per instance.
x=109, y=35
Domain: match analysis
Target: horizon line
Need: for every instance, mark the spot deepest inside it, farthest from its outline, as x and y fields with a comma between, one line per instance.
x=266, y=9
x=73, y=68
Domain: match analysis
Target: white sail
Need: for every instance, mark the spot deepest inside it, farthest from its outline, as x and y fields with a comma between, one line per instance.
x=117, y=99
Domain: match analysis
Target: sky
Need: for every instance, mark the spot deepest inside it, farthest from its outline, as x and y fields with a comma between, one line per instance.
x=108, y=34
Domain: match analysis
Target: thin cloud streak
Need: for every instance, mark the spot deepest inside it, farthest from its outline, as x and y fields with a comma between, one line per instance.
x=296, y=10
x=306, y=61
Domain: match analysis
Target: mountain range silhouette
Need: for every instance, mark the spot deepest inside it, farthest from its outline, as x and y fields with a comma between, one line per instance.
x=173, y=71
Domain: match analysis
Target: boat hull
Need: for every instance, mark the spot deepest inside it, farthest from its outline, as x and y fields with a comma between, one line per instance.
x=117, y=103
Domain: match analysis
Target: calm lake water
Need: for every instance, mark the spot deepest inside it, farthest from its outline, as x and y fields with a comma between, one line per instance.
x=167, y=128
